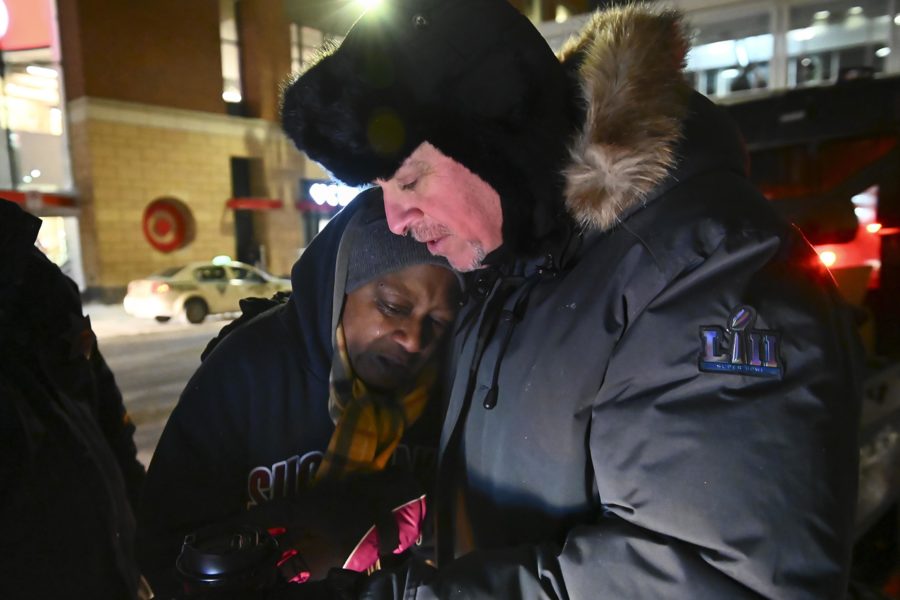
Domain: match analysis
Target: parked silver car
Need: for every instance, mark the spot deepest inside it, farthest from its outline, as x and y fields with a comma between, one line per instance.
x=198, y=289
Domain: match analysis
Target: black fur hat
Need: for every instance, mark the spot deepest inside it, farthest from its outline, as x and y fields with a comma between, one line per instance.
x=472, y=77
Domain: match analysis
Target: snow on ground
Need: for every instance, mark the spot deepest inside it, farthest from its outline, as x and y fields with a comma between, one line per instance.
x=111, y=320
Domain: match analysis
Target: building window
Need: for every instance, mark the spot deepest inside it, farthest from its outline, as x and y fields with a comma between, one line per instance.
x=306, y=43
x=829, y=39
x=319, y=201
x=732, y=55
x=35, y=149
x=59, y=239
x=232, y=91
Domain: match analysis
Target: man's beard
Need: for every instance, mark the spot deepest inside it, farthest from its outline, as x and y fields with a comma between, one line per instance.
x=477, y=260
x=426, y=233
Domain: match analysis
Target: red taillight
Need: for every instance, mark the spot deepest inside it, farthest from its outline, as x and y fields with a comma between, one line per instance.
x=159, y=287
x=827, y=257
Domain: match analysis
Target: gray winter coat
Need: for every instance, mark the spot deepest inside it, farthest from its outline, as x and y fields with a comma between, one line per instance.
x=666, y=407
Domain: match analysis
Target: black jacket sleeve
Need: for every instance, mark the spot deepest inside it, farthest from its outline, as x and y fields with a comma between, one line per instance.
x=117, y=426
x=196, y=475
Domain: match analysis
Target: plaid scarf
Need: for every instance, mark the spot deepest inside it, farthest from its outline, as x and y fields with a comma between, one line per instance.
x=368, y=425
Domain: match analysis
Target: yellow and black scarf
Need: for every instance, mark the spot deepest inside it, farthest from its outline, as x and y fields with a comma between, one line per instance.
x=368, y=425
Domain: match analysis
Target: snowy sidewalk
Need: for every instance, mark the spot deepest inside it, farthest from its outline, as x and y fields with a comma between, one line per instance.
x=111, y=320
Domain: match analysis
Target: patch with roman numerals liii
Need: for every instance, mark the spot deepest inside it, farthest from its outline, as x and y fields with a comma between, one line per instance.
x=740, y=349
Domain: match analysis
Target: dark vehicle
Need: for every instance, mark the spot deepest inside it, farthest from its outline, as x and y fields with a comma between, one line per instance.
x=829, y=159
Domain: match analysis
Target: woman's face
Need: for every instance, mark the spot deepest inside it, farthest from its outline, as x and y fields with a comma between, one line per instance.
x=394, y=323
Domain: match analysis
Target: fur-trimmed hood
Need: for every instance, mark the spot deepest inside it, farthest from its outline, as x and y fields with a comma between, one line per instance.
x=629, y=62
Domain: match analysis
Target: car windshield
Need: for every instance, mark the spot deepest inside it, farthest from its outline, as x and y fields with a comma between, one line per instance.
x=246, y=273
x=209, y=273
x=168, y=272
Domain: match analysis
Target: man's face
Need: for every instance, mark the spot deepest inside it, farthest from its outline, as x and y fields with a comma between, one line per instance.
x=394, y=323
x=444, y=205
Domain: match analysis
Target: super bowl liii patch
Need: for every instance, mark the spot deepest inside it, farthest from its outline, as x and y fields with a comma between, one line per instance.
x=740, y=349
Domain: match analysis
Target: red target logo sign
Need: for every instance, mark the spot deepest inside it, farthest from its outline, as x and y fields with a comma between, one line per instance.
x=168, y=224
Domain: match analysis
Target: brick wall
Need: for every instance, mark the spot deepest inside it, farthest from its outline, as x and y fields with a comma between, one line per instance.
x=164, y=52
x=126, y=155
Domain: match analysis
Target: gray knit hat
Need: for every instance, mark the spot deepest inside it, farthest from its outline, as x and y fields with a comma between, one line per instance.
x=376, y=251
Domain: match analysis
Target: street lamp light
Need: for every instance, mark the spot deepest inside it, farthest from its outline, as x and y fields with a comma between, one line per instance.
x=369, y=4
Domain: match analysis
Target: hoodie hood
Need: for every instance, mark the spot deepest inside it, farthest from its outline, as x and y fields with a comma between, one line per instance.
x=319, y=277
x=313, y=281
x=368, y=249
x=18, y=232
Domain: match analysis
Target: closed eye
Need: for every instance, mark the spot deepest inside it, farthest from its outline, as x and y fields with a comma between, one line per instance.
x=391, y=310
x=409, y=186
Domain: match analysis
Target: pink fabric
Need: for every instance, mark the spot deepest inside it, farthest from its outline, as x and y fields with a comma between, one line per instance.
x=292, y=567
x=409, y=517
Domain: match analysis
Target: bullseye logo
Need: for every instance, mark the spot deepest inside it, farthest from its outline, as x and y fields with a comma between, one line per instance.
x=168, y=225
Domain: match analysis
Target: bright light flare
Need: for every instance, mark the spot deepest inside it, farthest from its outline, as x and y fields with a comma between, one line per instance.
x=743, y=57
x=39, y=71
x=828, y=258
x=802, y=35
x=369, y=4
x=231, y=96
x=873, y=227
x=4, y=19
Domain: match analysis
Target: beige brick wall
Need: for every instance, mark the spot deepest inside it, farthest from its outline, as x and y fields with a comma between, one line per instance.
x=126, y=155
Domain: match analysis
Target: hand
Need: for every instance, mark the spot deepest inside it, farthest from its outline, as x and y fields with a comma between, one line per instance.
x=339, y=584
x=331, y=525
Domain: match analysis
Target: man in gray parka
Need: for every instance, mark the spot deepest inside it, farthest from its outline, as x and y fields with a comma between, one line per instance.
x=656, y=384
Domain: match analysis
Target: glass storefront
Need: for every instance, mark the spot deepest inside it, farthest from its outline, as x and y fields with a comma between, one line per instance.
x=31, y=114
x=789, y=43
x=320, y=200
x=33, y=151
x=34, y=154
x=742, y=48
x=731, y=55
x=58, y=239
x=826, y=39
